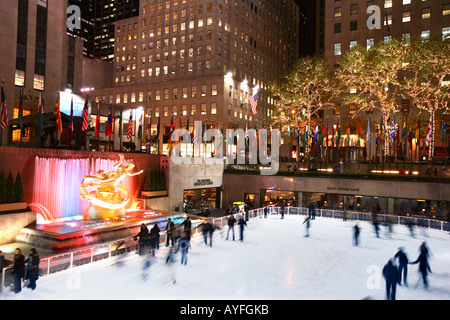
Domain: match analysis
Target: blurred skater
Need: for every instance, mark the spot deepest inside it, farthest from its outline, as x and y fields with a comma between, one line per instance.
x=312, y=211
x=424, y=266
x=231, y=223
x=183, y=246
x=169, y=232
x=154, y=239
x=143, y=238
x=18, y=269
x=356, y=232
x=376, y=224
x=410, y=225
x=402, y=266
x=32, y=268
x=265, y=212
x=170, y=261
x=307, y=221
x=282, y=210
x=390, y=274
x=242, y=224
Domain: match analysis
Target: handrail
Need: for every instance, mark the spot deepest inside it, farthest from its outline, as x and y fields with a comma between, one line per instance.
x=68, y=260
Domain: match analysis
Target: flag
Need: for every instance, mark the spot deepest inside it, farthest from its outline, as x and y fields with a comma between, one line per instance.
x=97, y=122
x=120, y=124
x=71, y=117
x=358, y=133
x=392, y=133
x=429, y=132
x=316, y=134
x=57, y=114
x=21, y=108
x=140, y=129
x=4, y=110
x=338, y=136
x=85, y=124
x=179, y=127
x=332, y=136
x=348, y=133
x=254, y=103
x=418, y=129
x=288, y=133
x=404, y=132
x=171, y=129
x=368, y=133
x=326, y=133
x=378, y=139
x=130, y=126
x=40, y=113
x=298, y=135
x=109, y=130
x=149, y=129
x=444, y=130
x=410, y=137
x=157, y=131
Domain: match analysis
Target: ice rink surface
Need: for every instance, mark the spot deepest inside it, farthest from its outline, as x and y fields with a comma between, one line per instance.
x=274, y=262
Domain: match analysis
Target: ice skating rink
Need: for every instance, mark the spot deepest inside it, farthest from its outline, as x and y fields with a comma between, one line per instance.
x=274, y=262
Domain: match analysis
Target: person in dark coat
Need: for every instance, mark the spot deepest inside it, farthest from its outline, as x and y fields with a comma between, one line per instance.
x=231, y=223
x=424, y=267
x=308, y=224
x=32, y=268
x=169, y=229
x=2, y=261
x=154, y=239
x=265, y=212
x=356, y=232
x=18, y=269
x=282, y=210
x=402, y=265
x=312, y=211
x=207, y=228
x=390, y=274
x=143, y=238
x=241, y=224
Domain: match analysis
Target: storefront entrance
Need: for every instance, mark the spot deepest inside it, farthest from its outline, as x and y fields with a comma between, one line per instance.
x=201, y=201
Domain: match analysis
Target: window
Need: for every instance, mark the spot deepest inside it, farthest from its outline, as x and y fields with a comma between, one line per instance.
x=445, y=33
x=353, y=44
x=406, y=16
x=337, y=12
x=370, y=43
x=405, y=2
x=213, y=108
x=426, y=13
x=337, y=27
x=387, y=4
x=446, y=9
x=354, y=9
x=337, y=49
x=425, y=34
x=353, y=25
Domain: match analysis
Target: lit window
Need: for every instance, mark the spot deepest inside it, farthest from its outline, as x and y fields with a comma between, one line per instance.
x=337, y=49
x=406, y=16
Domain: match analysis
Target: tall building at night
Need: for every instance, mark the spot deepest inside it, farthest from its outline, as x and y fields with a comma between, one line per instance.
x=345, y=23
x=86, y=32
x=38, y=58
x=106, y=14
x=200, y=60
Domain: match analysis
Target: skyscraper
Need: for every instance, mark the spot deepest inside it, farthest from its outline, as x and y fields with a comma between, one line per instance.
x=203, y=60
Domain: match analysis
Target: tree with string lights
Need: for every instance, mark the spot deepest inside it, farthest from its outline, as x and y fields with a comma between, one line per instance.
x=370, y=78
x=425, y=80
x=302, y=92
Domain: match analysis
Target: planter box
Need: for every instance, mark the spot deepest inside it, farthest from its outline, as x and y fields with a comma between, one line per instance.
x=153, y=194
x=15, y=206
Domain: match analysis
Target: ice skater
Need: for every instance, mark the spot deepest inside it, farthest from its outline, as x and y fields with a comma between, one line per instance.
x=390, y=274
x=402, y=266
x=147, y=263
x=231, y=223
x=170, y=261
x=356, y=232
x=424, y=266
x=307, y=221
x=265, y=212
x=242, y=224
x=376, y=224
x=183, y=246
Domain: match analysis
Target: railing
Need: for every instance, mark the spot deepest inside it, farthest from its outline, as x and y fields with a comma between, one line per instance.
x=69, y=260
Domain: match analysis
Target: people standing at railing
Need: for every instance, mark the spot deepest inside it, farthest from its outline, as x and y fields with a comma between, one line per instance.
x=187, y=224
x=231, y=222
x=169, y=232
x=2, y=261
x=32, y=268
x=143, y=238
x=266, y=210
x=18, y=269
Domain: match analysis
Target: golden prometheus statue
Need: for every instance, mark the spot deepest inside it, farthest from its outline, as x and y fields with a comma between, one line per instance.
x=105, y=191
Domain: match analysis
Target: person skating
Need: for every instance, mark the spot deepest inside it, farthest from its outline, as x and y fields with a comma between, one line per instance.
x=424, y=266
x=143, y=238
x=231, y=223
x=170, y=261
x=206, y=228
x=169, y=232
x=307, y=221
x=402, y=265
x=183, y=246
x=390, y=274
x=356, y=233
x=265, y=212
x=32, y=268
x=242, y=224
x=18, y=269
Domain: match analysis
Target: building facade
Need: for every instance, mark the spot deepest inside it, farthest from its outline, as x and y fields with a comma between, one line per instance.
x=39, y=59
x=199, y=61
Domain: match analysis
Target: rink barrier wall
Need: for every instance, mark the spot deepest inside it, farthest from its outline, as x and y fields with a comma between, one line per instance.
x=69, y=260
